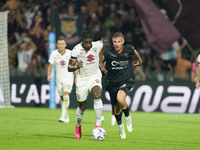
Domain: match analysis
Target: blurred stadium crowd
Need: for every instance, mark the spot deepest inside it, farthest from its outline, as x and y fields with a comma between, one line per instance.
x=29, y=23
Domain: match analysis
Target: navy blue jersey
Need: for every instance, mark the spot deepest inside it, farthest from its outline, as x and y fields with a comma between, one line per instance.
x=119, y=65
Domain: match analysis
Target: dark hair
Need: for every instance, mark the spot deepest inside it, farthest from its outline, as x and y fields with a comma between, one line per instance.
x=118, y=34
x=86, y=34
x=60, y=39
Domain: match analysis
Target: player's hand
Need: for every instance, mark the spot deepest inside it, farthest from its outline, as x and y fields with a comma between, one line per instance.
x=49, y=78
x=80, y=64
x=197, y=84
x=103, y=69
x=136, y=63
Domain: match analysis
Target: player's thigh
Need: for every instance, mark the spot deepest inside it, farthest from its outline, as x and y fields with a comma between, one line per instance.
x=96, y=87
x=68, y=85
x=59, y=87
x=82, y=92
x=113, y=94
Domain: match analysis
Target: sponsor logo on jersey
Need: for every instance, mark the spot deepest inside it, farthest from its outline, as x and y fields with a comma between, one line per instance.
x=119, y=64
x=113, y=55
x=90, y=58
x=62, y=62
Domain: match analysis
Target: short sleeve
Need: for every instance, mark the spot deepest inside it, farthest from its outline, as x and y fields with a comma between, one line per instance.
x=74, y=53
x=100, y=45
x=131, y=49
x=51, y=59
x=198, y=59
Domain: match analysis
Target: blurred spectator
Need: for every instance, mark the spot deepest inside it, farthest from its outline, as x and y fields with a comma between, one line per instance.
x=36, y=29
x=95, y=27
x=122, y=10
x=92, y=6
x=158, y=73
x=139, y=74
x=129, y=39
x=194, y=65
x=33, y=68
x=24, y=55
x=12, y=5
x=112, y=24
x=29, y=13
x=182, y=66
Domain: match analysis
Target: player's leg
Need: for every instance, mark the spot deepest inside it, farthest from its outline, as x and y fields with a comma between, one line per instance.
x=118, y=116
x=65, y=106
x=121, y=98
x=98, y=105
x=117, y=110
x=81, y=94
x=67, y=87
x=60, y=91
x=113, y=120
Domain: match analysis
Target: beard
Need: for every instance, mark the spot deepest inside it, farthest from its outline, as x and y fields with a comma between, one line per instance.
x=86, y=48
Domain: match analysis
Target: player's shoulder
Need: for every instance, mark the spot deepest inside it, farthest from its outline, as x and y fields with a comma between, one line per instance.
x=54, y=52
x=97, y=43
x=77, y=47
x=129, y=47
x=108, y=49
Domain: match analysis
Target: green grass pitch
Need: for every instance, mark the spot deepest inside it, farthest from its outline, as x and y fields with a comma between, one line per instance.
x=39, y=129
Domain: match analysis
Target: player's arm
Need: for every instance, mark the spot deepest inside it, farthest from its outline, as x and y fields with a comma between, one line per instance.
x=49, y=70
x=73, y=65
x=101, y=57
x=139, y=62
x=197, y=75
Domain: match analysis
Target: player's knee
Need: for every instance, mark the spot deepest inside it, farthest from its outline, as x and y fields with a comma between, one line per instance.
x=83, y=105
x=96, y=92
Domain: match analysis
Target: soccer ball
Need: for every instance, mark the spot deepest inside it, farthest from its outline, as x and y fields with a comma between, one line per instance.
x=99, y=134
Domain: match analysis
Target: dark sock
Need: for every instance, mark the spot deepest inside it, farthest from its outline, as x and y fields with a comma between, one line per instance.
x=126, y=112
x=112, y=110
x=119, y=118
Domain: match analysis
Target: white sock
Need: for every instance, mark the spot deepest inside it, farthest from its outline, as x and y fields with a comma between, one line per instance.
x=65, y=105
x=120, y=126
x=98, y=105
x=79, y=116
x=128, y=119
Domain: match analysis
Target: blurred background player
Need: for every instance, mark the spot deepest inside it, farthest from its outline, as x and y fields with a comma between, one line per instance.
x=198, y=72
x=106, y=42
x=64, y=79
x=121, y=78
x=88, y=79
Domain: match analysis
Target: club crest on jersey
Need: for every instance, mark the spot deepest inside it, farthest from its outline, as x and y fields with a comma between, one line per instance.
x=126, y=54
x=97, y=80
x=83, y=52
x=62, y=63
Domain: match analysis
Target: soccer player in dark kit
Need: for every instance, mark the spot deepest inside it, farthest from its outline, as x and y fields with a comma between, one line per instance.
x=121, y=78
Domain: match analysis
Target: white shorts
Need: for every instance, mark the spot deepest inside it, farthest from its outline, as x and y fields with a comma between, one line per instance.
x=64, y=84
x=84, y=85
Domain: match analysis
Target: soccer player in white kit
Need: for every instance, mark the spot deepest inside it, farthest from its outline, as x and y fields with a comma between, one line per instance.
x=64, y=79
x=88, y=79
x=198, y=72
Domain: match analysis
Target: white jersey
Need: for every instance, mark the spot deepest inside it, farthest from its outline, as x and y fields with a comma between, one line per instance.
x=61, y=63
x=198, y=59
x=24, y=59
x=89, y=58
